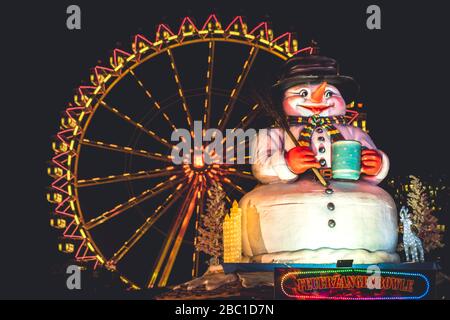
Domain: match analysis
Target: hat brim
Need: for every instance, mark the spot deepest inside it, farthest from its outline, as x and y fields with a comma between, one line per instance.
x=345, y=84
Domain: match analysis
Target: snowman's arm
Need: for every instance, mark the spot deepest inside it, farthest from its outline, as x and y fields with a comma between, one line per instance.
x=366, y=141
x=269, y=164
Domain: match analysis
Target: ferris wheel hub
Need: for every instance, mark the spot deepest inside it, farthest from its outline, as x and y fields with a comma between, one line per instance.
x=199, y=161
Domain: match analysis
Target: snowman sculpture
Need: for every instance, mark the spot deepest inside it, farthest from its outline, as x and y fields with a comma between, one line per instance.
x=290, y=217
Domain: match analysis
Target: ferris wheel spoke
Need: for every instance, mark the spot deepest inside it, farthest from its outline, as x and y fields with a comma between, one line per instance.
x=136, y=124
x=208, y=88
x=238, y=173
x=232, y=184
x=176, y=247
x=248, y=118
x=233, y=159
x=147, y=174
x=132, y=202
x=199, y=214
x=237, y=88
x=155, y=103
x=245, y=120
x=143, y=229
x=127, y=150
x=180, y=89
x=183, y=212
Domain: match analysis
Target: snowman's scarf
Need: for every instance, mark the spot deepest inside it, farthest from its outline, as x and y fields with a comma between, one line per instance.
x=314, y=122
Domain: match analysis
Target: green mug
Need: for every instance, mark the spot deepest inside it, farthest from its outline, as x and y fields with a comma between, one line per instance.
x=346, y=159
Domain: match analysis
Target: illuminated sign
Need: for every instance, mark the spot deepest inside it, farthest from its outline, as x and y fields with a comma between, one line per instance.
x=351, y=284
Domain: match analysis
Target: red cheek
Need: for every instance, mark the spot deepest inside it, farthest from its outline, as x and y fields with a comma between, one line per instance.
x=338, y=101
x=290, y=103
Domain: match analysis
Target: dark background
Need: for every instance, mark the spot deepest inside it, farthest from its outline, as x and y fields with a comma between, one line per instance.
x=401, y=69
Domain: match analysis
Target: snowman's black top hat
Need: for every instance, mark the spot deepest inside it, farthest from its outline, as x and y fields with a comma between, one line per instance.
x=315, y=69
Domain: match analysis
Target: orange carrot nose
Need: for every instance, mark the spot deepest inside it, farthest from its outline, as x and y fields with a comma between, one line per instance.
x=317, y=95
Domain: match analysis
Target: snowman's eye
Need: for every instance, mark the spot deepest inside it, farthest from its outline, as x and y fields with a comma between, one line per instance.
x=303, y=93
x=328, y=94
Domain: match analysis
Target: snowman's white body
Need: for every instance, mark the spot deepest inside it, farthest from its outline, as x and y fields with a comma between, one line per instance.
x=287, y=218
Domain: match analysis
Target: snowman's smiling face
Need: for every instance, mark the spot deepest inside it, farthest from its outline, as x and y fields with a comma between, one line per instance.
x=320, y=99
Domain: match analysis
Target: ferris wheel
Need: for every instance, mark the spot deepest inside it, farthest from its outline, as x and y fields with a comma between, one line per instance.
x=119, y=199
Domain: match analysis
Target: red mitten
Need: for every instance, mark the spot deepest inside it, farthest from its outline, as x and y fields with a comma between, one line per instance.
x=300, y=159
x=371, y=162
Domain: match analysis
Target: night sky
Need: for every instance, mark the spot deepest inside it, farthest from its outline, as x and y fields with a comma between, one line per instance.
x=402, y=71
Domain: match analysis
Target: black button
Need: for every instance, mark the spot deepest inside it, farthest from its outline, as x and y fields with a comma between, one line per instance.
x=322, y=149
x=331, y=223
x=329, y=191
x=321, y=138
x=323, y=162
x=319, y=130
x=330, y=206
